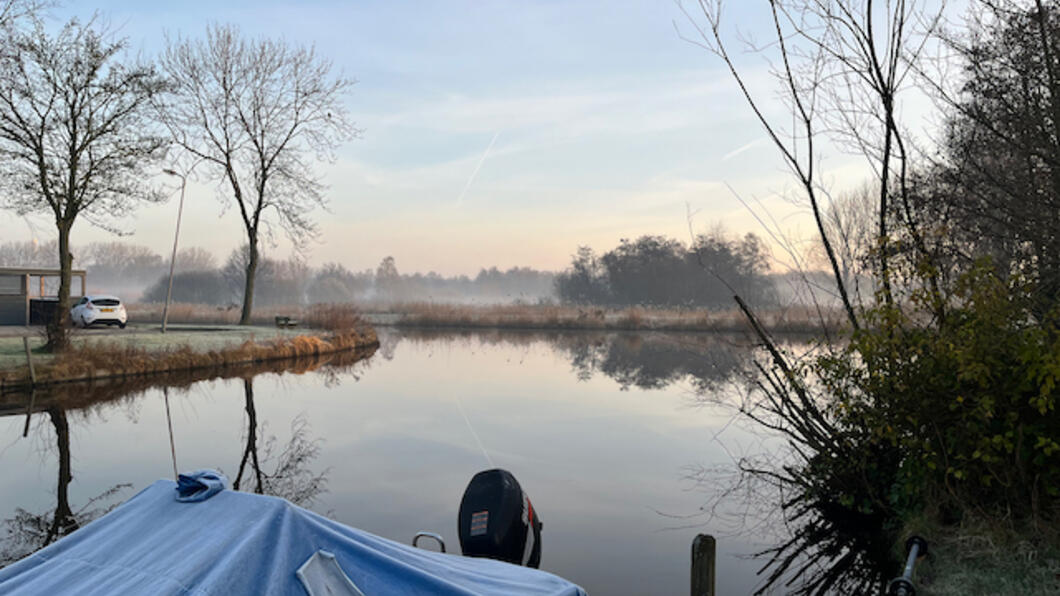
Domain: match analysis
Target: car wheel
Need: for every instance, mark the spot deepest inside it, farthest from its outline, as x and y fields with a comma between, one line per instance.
x=121, y=325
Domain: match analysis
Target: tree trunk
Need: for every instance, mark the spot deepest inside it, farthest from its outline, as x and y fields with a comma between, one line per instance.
x=248, y=287
x=251, y=451
x=64, y=522
x=58, y=329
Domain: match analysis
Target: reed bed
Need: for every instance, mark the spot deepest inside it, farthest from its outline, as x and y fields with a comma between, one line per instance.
x=793, y=319
x=329, y=317
x=420, y=314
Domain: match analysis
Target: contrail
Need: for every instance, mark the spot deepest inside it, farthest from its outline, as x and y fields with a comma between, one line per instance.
x=740, y=150
x=482, y=160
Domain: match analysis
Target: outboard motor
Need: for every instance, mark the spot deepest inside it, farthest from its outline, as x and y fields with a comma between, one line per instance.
x=497, y=521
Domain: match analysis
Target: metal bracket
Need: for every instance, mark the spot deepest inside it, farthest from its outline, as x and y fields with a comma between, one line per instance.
x=437, y=537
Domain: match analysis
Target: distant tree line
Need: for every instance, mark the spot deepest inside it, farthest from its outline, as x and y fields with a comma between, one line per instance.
x=113, y=267
x=659, y=271
x=291, y=281
x=138, y=273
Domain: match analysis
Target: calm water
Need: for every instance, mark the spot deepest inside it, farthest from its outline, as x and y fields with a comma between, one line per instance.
x=602, y=431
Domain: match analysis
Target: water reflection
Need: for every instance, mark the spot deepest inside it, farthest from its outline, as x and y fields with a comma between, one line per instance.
x=632, y=359
x=291, y=477
x=597, y=425
x=26, y=531
x=654, y=361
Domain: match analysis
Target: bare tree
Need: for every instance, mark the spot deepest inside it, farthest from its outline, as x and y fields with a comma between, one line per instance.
x=14, y=11
x=75, y=134
x=841, y=65
x=996, y=185
x=29, y=253
x=851, y=220
x=256, y=113
x=195, y=258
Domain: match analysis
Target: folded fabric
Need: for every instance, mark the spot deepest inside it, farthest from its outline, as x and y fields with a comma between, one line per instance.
x=200, y=485
x=322, y=575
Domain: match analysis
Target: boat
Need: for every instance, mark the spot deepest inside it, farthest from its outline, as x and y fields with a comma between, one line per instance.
x=195, y=536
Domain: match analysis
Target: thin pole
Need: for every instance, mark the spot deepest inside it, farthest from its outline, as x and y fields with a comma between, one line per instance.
x=173, y=258
x=29, y=411
x=169, y=422
x=29, y=361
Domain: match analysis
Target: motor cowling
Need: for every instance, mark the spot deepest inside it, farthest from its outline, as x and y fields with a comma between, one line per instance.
x=497, y=520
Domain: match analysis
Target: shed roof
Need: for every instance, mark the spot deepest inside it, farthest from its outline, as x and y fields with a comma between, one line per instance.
x=35, y=271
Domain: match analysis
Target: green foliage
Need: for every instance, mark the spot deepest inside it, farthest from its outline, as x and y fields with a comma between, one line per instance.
x=966, y=405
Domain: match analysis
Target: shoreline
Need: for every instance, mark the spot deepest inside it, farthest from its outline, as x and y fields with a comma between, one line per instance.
x=111, y=361
x=543, y=317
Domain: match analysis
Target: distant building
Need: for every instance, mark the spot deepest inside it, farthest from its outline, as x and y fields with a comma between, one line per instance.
x=28, y=295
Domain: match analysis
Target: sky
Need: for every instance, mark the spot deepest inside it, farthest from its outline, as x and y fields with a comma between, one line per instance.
x=495, y=133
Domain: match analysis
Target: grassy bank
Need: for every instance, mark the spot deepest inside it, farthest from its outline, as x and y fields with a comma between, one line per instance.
x=520, y=316
x=988, y=557
x=146, y=337
x=89, y=394
x=103, y=359
x=144, y=351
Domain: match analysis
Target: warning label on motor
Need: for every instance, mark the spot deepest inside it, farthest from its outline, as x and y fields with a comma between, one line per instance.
x=479, y=521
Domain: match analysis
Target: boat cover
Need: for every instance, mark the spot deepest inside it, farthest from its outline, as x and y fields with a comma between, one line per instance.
x=240, y=543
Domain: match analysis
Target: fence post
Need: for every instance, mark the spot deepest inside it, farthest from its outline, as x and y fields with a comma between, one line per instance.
x=703, y=548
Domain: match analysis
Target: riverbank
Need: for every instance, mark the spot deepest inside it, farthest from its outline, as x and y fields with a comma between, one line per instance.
x=143, y=351
x=989, y=557
x=803, y=320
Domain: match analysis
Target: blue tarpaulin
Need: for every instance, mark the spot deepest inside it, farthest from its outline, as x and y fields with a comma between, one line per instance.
x=240, y=543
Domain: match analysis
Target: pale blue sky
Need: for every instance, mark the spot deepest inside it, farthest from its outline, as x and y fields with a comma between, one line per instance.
x=604, y=125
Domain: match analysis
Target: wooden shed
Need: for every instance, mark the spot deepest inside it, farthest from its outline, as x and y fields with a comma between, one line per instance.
x=22, y=290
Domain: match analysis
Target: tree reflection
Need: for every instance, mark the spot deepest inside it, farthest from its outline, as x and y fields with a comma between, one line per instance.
x=646, y=360
x=291, y=477
x=26, y=532
x=655, y=360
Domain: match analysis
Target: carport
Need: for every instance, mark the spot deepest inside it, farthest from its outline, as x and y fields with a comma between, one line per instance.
x=29, y=295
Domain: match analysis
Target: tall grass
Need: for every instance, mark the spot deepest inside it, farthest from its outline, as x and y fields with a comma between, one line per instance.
x=795, y=319
x=329, y=317
x=421, y=314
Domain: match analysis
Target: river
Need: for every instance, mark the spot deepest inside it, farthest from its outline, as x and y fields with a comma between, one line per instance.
x=621, y=441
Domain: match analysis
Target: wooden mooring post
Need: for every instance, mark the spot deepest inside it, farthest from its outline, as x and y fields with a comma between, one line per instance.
x=703, y=572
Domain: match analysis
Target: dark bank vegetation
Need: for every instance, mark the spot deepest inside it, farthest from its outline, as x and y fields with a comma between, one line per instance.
x=655, y=271
x=935, y=409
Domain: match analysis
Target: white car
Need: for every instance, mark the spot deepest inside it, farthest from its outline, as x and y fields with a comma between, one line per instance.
x=101, y=309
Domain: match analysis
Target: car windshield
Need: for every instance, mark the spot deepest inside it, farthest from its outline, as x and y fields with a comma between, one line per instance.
x=106, y=302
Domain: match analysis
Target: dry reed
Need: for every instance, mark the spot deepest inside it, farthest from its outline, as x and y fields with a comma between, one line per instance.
x=781, y=320
x=103, y=360
x=794, y=319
